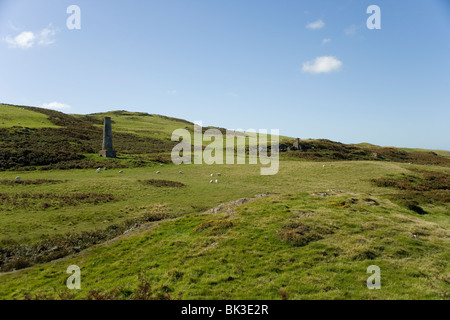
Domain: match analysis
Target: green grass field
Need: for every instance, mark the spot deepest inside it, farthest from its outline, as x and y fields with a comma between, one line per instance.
x=12, y=116
x=312, y=235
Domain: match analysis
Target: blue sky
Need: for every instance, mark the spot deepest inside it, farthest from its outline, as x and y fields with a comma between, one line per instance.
x=240, y=64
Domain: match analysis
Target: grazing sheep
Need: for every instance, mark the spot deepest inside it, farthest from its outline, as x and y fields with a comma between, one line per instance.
x=121, y=171
x=17, y=178
x=158, y=172
x=211, y=181
x=219, y=174
x=217, y=181
x=181, y=172
x=105, y=168
x=160, y=164
x=212, y=174
x=323, y=166
x=99, y=170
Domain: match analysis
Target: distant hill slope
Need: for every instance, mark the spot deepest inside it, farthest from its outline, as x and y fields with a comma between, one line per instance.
x=11, y=116
x=66, y=144
x=443, y=153
x=40, y=138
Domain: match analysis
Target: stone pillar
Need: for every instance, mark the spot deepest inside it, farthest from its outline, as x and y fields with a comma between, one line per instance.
x=297, y=145
x=107, y=151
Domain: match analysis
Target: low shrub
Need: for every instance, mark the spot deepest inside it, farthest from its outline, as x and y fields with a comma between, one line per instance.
x=162, y=183
x=299, y=234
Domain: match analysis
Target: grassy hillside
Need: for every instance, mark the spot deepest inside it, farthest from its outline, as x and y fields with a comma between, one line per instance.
x=72, y=141
x=311, y=238
x=17, y=116
x=144, y=124
x=443, y=153
x=308, y=232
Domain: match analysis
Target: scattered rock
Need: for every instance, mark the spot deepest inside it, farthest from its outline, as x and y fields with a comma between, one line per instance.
x=240, y=201
x=136, y=226
x=323, y=194
x=263, y=195
x=231, y=205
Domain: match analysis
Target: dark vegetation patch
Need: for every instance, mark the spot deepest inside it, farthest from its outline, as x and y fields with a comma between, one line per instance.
x=426, y=187
x=343, y=204
x=365, y=255
x=14, y=256
x=79, y=164
x=29, y=182
x=214, y=226
x=300, y=234
x=21, y=148
x=427, y=181
x=48, y=200
x=340, y=204
x=417, y=209
x=162, y=183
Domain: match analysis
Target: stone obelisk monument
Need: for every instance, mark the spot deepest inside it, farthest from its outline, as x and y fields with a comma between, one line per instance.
x=107, y=151
x=297, y=145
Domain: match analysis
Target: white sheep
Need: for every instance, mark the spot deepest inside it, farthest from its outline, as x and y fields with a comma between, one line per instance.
x=181, y=172
x=211, y=181
x=160, y=164
x=99, y=170
x=17, y=178
x=219, y=174
x=217, y=181
x=121, y=171
x=158, y=172
x=212, y=174
x=323, y=166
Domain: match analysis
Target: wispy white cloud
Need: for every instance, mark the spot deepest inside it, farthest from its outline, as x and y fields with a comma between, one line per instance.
x=325, y=41
x=323, y=64
x=316, y=25
x=23, y=40
x=47, y=36
x=13, y=27
x=56, y=106
x=351, y=30
x=27, y=39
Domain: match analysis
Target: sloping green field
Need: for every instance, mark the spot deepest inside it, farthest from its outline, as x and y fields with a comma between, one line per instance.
x=308, y=232
x=12, y=116
x=247, y=251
